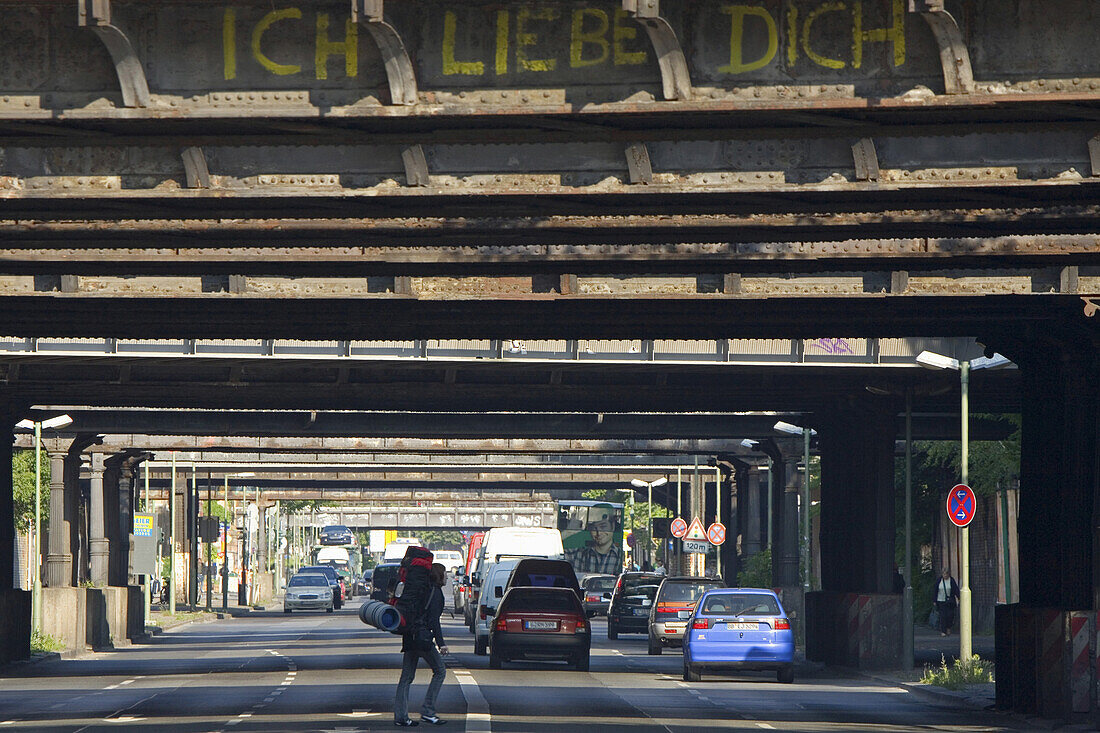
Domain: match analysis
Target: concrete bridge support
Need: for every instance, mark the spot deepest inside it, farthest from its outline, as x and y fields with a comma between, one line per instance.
x=59, y=561
x=15, y=604
x=855, y=620
x=98, y=541
x=1043, y=642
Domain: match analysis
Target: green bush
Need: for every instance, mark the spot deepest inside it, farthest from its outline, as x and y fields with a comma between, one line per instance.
x=44, y=642
x=963, y=672
x=757, y=572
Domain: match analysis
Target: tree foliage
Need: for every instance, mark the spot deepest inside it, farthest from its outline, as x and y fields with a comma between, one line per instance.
x=22, y=475
x=435, y=539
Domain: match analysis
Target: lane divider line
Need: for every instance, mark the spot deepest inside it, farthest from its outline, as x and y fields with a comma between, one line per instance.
x=478, y=718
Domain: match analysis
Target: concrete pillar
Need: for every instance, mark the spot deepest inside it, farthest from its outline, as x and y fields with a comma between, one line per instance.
x=857, y=499
x=75, y=514
x=112, y=471
x=750, y=503
x=15, y=604
x=59, y=561
x=98, y=542
x=1059, y=487
x=261, y=550
x=785, y=554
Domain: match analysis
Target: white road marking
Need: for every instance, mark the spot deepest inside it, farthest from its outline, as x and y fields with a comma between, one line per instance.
x=124, y=719
x=477, y=709
x=765, y=725
x=358, y=714
x=127, y=682
x=245, y=715
x=8, y=722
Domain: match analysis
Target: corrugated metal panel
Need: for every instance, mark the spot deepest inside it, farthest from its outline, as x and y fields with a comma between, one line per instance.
x=384, y=348
x=460, y=347
x=96, y=346
x=537, y=349
x=151, y=346
x=834, y=349
x=309, y=348
x=607, y=348
x=742, y=349
x=668, y=349
x=230, y=346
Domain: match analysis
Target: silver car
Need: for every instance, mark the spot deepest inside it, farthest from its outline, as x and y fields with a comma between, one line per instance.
x=308, y=591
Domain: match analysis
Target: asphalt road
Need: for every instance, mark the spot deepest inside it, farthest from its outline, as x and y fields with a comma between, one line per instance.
x=329, y=672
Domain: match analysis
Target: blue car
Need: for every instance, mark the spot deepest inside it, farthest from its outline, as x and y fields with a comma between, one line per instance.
x=738, y=629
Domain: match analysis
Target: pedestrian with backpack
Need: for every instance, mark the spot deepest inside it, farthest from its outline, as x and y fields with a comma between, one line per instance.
x=423, y=639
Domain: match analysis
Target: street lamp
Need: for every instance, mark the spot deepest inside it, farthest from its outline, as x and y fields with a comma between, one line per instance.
x=786, y=427
x=59, y=421
x=932, y=360
x=648, y=486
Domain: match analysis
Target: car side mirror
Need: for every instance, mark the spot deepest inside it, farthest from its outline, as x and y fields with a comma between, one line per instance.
x=498, y=592
x=683, y=615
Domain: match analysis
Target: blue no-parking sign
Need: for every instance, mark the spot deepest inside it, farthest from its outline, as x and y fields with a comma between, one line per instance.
x=961, y=505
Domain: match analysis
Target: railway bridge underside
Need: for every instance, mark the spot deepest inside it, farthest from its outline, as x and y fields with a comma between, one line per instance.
x=639, y=171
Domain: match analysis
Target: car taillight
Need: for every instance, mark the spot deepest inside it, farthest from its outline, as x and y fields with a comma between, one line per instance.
x=581, y=628
x=502, y=623
x=782, y=623
x=483, y=611
x=593, y=599
x=701, y=623
x=665, y=608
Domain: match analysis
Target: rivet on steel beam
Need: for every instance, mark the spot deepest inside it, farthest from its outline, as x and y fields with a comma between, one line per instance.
x=958, y=75
x=1094, y=154
x=416, y=166
x=866, y=160
x=194, y=168
x=637, y=163
x=95, y=15
x=399, y=69
x=675, y=77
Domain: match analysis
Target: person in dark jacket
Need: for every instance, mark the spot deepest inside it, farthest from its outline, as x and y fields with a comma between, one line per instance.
x=423, y=639
x=946, y=596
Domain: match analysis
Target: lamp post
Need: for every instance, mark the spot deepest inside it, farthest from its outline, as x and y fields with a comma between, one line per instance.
x=649, y=486
x=59, y=421
x=786, y=427
x=225, y=536
x=932, y=360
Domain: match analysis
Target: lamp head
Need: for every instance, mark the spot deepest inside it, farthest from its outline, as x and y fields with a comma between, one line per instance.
x=638, y=483
x=659, y=482
x=58, y=421
x=749, y=443
x=932, y=360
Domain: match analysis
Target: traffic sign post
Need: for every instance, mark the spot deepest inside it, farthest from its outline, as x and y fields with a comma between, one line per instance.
x=716, y=533
x=678, y=527
x=961, y=505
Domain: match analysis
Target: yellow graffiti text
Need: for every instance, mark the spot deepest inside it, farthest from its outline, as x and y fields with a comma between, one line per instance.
x=579, y=37
x=257, y=39
x=738, y=13
x=450, y=65
x=526, y=39
x=348, y=48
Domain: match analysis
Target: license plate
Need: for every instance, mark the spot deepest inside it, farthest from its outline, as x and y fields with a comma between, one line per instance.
x=540, y=625
x=641, y=611
x=593, y=599
x=743, y=626
x=307, y=598
x=676, y=627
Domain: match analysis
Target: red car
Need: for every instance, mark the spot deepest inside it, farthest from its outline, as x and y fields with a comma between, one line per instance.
x=540, y=623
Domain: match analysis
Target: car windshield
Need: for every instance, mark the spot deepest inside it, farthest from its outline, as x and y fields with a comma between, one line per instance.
x=741, y=604
x=298, y=580
x=631, y=584
x=322, y=570
x=601, y=584
x=538, y=601
x=640, y=594
x=685, y=592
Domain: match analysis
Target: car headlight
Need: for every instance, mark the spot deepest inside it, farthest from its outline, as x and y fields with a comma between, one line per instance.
x=327, y=594
x=290, y=596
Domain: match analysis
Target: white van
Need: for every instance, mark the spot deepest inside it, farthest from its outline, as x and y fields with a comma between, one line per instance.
x=487, y=601
x=510, y=542
x=395, y=550
x=450, y=559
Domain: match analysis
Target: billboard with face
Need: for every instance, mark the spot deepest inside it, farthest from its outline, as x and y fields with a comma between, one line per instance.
x=592, y=535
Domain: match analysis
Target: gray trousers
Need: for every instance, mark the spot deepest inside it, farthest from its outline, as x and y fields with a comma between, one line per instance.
x=408, y=671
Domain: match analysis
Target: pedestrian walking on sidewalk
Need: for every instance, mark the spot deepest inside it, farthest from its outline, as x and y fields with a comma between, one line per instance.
x=947, y=596
x=423, y=640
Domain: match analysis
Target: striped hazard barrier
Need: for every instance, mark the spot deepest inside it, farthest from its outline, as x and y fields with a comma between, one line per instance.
x=1081, y=626
x=1051, y=637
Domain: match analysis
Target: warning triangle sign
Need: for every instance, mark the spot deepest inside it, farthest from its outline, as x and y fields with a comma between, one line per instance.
x=695, y=531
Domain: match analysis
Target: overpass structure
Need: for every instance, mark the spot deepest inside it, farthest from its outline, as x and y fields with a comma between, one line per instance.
x=452, y=178
x=439, y=516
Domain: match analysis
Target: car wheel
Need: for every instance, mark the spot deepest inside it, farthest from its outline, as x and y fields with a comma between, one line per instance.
x=785, y=675
x=480, y=647
x=654, y=645
x=495, y=660
x=330, y=609
x=286, y=610
x=582, y=662
x=691, y=674
x=612, y=631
